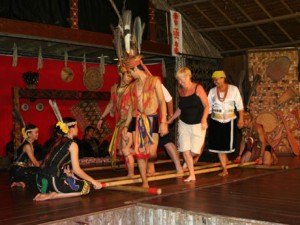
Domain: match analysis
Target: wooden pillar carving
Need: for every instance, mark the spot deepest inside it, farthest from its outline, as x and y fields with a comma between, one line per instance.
x=16, y=123
x=152, y=22
x=74, y=14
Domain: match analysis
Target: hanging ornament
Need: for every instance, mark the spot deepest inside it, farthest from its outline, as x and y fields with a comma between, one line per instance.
x=40, y=59
x=84, y=63
x=15, y=55
x=102, y=65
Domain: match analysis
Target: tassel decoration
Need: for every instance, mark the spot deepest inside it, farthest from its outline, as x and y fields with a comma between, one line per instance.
x=84, y=63
x=15, y=55
x=40, y=59
x=102, y=64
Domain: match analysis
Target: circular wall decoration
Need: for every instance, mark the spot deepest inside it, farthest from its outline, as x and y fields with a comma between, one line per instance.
x=24, y=107
x=92, y=79
x=39, y=107
x=268, y=120
x=67, y=74
x=278, y=68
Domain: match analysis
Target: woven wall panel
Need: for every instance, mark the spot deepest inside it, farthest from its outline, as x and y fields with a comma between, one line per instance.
x=269, y=94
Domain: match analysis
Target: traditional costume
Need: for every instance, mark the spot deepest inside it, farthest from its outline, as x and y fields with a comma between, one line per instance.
x=121, y=104
x=21, y=169
x=144, y=124
x=55, y=174
x=222, y=127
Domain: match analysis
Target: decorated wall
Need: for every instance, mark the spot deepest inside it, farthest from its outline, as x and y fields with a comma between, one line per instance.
x=38, y=111
x=275, y=102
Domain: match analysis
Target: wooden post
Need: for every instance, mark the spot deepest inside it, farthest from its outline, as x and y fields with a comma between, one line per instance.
x=16, y=123
x=74, y=14
x=151, y=22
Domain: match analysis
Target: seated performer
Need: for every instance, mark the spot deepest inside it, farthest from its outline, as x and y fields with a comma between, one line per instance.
x=25, y=165
x=56, y=179
x=118, y=106
x=146, y=97
x=254, y=145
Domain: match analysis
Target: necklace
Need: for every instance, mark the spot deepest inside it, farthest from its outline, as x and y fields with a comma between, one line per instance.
x=221, y=99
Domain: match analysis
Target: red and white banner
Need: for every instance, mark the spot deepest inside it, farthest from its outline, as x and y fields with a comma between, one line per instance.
x=176, y=32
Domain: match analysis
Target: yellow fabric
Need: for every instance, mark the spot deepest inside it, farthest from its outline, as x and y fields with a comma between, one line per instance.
x=219, y=74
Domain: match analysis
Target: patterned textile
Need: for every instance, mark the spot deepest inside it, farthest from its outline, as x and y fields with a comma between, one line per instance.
x=88, y=113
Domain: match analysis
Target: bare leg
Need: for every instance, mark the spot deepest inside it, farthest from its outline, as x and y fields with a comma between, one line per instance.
x=187, y=155
x=142, y=163
x=153, y=155
x=18, y=184
x=267, y=158
x=223, y=159
x=54, y=195
x=129, y=159
x=246, y=157
x=173, y=153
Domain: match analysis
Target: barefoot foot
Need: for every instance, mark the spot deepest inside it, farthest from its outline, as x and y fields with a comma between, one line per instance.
x=190, y=178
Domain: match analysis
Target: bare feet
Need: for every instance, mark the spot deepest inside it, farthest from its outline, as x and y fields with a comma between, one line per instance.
x=18, y=184
x=180, y=172
x=185, y=167
x=44, y=197
x=130, y=175
x=223, y=174
x=190, y=178
x=145, y=185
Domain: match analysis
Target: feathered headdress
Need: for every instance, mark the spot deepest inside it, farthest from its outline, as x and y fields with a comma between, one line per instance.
x=127, y=38
x=63, y=126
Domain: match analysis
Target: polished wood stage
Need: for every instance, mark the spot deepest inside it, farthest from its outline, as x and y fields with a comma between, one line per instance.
x=254, y=194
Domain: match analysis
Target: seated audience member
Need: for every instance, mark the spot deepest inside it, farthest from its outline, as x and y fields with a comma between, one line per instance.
x=254, y=145
x=89, y=146
x=25, y=165
x=56, y=179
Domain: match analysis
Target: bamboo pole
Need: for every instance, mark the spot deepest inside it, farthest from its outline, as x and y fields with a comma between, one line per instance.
x=158, y=173
x=168, y=176
x=122, y=166
x=271, y=167
x=152, y=190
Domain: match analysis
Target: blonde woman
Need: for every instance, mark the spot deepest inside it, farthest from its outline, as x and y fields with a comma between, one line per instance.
x=192, y=111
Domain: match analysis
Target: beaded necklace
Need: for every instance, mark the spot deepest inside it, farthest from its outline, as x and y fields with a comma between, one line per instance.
x=221, y=99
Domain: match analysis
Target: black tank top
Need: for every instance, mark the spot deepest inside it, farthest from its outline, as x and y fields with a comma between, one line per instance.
x=191, y=108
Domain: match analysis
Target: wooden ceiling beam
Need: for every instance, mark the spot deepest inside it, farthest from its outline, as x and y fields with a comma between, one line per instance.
x=254, y=23
x=230, y=21
x=250, y=19
x=208, y=19
x=188, y=3
x=275, y=22
x=44, y=32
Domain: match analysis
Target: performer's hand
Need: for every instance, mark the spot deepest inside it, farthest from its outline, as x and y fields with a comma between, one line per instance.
x=163, y=129
x=240, y=123
x=99, y=124
x=124, y=133
x=204, y=126
x=97, y=185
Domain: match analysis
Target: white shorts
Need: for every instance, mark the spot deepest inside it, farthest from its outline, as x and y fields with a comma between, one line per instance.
x=191, y=137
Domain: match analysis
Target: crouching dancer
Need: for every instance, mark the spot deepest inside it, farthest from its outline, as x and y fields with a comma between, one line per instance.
x=56, y=180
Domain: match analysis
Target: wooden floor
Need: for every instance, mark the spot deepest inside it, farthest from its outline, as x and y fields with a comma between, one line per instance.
x=257, y=194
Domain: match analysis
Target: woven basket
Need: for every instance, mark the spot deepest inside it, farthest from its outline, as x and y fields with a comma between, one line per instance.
x=268, y=120
x=92, y=79
x=279, y=68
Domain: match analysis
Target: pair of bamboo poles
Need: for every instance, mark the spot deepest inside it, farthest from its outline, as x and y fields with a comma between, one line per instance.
x=116, y=183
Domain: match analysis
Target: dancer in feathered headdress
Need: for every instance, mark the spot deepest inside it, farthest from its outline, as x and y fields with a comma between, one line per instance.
x=60, y=171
